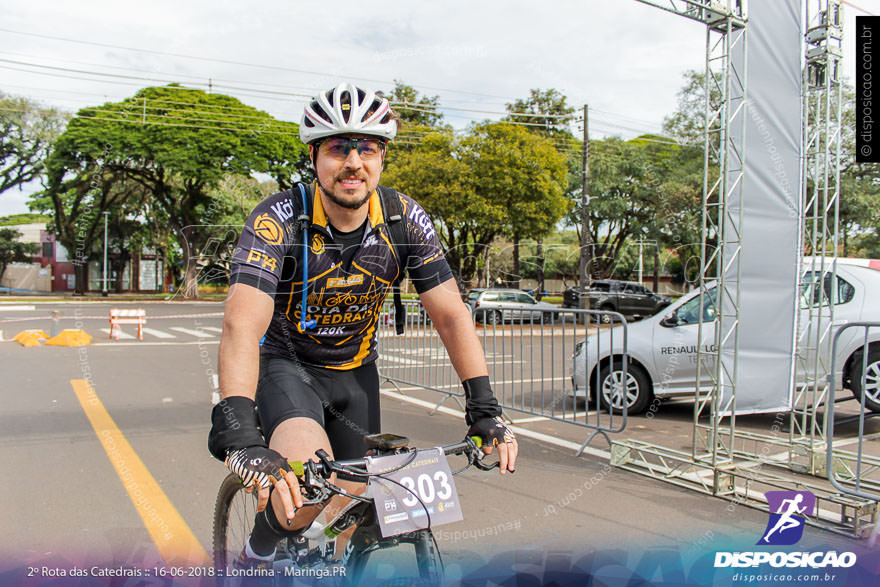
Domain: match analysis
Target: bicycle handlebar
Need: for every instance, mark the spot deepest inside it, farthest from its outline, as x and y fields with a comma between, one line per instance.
x=315, y=474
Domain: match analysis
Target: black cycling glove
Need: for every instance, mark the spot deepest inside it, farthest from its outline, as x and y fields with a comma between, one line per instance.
x=493, y=431
x=258, y=464
x=482, y=412
x=235, y=439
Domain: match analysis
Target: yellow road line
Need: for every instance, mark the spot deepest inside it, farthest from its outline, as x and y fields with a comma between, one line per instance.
x=175, y=541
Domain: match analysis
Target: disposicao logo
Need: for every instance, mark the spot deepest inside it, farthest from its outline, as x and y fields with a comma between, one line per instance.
x=788, y=513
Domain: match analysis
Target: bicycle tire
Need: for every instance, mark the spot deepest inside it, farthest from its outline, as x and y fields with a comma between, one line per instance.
x=366, y=540
x=235, y=504
x=428, y=558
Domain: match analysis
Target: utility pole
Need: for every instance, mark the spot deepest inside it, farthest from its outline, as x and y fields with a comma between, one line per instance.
x=641, y=242
x=586, y=244
x=104, y=287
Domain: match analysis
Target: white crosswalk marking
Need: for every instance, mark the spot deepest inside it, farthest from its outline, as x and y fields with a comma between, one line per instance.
x=122, y=333
x=158, y=333
x=212, y=329
x=197, y=333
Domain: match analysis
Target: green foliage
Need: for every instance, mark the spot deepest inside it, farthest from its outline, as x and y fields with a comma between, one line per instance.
x=544, y=111
x=166, y=148
x=15, y=219
x=433, y=173
x=26, y=133
x=498, y=179
x=13, y=251
x=414, y=110
x=521, y=174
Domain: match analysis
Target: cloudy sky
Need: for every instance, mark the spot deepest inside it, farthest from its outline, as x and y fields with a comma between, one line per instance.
x=621, y=57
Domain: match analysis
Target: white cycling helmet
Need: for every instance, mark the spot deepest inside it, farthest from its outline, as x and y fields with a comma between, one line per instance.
x=347, y=109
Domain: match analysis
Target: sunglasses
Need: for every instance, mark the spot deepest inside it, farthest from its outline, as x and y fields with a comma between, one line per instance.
x=340, y=147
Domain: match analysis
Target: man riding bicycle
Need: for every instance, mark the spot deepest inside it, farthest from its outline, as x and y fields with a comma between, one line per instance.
x=310, y=273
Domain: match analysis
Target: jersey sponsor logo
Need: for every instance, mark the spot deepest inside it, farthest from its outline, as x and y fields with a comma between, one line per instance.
x=345, y=281
x=371, y=240
x=317, y=244
x=260, y=258
x=283, y=210
x=418, y=216
x=339, y=315
x=268, y=229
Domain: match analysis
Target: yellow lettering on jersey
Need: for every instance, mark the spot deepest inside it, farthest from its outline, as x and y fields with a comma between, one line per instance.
x=262, y=258
x=345, y=281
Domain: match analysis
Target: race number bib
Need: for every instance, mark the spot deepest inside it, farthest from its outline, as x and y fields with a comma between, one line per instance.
x=424, y=493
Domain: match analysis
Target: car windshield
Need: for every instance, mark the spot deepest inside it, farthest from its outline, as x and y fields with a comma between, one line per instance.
x=689, y=312
x=600, y=286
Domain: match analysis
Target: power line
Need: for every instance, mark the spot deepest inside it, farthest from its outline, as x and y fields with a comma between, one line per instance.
x=229, y=62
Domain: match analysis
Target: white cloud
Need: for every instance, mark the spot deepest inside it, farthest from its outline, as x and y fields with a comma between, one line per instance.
x=622, y=57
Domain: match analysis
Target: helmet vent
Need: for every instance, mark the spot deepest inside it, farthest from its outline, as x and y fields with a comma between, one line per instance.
x=320, y=112
x=345, y=105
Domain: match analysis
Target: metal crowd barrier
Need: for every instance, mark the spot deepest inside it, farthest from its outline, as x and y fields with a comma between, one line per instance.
x=862, y=463
x=530, y=361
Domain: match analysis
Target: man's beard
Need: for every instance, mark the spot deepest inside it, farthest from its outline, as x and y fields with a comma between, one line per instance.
x=351, y=205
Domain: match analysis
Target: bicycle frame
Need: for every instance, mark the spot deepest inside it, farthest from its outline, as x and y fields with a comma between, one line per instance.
x=367, y=539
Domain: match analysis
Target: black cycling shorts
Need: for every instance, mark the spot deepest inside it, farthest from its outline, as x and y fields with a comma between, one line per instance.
x=344, y=403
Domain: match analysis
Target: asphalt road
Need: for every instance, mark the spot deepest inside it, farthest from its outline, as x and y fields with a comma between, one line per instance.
x=73, y=491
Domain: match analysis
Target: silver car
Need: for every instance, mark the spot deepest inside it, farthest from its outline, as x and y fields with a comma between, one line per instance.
x=495, y=305
x=664, y=347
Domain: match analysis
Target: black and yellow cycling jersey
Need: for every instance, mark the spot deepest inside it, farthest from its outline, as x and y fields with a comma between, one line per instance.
x=345, y=293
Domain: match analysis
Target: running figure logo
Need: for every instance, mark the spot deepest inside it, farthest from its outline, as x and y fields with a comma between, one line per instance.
x=788, y=511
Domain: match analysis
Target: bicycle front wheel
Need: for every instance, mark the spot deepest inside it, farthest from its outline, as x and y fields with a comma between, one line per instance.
x=428, y=558
x=234, y=514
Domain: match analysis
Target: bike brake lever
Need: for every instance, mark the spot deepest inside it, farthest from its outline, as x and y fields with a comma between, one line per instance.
x=478, y=463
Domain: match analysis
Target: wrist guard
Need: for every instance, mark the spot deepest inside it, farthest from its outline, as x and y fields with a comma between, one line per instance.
x=234, y=425
x=480, y=401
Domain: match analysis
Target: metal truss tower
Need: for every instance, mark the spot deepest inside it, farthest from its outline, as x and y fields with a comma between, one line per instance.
x=822, y=94
x=725, y=462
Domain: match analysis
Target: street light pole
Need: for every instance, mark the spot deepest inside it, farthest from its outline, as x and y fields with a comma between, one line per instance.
x=586, y=245
x=104, y=287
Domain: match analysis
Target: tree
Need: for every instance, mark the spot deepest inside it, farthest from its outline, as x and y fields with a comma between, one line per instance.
x=859, y=213
x=498, y=179
x=415, y=110
x=76, y=205
x=523, y=174
x=546, y=114
x=177, y=145
x=433, y=173
x=13, y=251
x=26, y=132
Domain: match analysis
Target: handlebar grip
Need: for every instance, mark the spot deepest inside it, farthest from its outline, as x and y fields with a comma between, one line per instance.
x=297, y=467
x=478, y=441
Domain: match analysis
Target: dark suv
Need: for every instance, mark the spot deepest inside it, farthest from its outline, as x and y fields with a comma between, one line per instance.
x=627, y=297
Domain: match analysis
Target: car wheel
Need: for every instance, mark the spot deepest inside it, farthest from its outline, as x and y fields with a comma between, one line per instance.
x=493, y=317
x=617, y=386
x=603, y=318
x=872, y=379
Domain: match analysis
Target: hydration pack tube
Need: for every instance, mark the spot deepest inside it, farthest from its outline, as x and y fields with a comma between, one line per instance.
x=304, y=221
